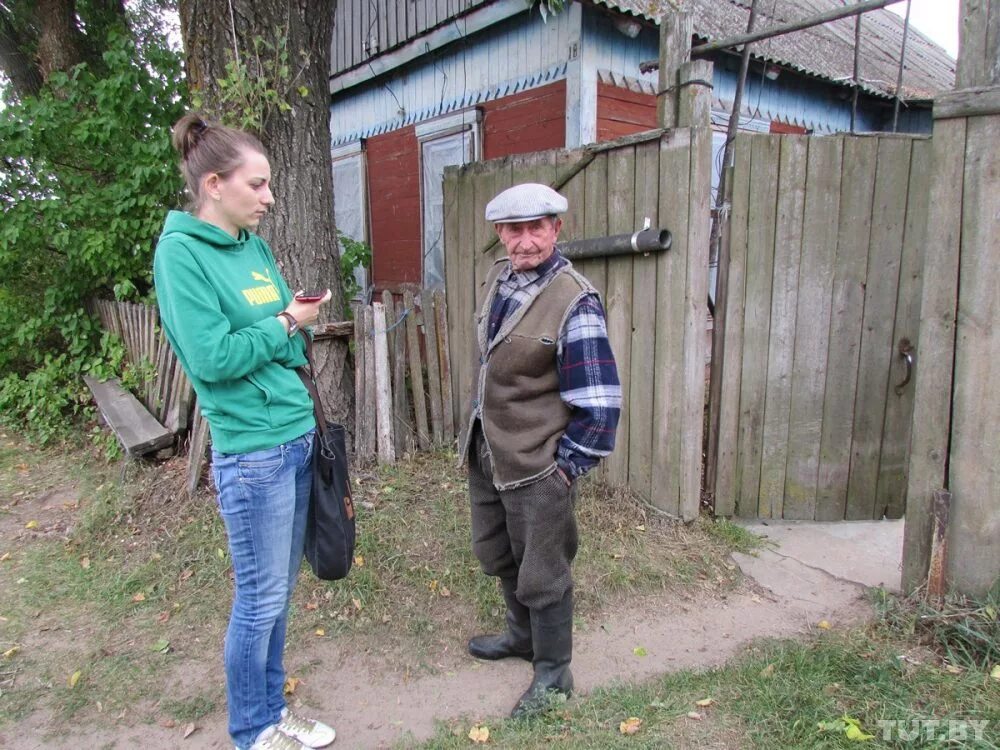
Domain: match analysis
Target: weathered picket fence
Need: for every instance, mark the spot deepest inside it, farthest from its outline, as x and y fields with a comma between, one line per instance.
x=403, y=398
x=167, y=392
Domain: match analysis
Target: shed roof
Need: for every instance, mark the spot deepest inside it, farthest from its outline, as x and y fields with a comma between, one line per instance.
x=825, y=51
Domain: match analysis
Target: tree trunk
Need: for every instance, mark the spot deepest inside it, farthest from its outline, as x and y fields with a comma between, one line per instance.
x=60, y=44
x=23, y=72
x=300, y=227
x=37, y=39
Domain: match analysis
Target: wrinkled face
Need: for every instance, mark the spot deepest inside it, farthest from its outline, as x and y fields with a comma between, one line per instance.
x=529, y=243
x=239, y=200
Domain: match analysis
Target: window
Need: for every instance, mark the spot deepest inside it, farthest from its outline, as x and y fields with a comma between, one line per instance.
x=444, y=142
x=349, y=209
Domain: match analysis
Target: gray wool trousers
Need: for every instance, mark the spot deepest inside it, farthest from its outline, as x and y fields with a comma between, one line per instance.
x=528, y=533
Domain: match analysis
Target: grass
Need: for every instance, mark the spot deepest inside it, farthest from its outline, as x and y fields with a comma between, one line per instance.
x=132, y=588
x=130, y=591
x=779, y=694
x=416, y=585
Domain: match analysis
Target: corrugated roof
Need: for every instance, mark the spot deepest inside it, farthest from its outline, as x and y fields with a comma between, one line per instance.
x=826, y=51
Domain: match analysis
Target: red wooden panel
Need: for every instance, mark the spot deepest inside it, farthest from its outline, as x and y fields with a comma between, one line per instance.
x=394, y=199
x=780, y=127
x=532, y=120
x=622, y=112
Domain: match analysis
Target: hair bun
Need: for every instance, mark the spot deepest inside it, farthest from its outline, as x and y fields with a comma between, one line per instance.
x=188, y=132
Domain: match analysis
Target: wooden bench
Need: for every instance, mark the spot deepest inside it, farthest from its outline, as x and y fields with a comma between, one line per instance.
x=136, y=429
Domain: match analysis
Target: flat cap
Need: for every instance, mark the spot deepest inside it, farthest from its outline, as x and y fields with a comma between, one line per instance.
x=525, y=202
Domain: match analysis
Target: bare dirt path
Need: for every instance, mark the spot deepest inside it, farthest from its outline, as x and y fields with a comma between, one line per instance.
x=373, y=706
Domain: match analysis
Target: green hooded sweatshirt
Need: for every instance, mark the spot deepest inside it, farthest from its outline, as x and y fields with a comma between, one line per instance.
x=218, y=298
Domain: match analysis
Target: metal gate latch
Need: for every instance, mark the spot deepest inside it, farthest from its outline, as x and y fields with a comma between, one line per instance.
x=906, y=352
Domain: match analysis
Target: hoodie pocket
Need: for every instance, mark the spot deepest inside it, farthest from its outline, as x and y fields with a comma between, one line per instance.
x=263, y=388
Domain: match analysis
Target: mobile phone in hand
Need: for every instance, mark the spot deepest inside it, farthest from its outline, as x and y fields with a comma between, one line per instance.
x=310, y=296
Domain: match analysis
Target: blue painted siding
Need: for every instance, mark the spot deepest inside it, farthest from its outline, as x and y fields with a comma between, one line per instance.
x=511, y=56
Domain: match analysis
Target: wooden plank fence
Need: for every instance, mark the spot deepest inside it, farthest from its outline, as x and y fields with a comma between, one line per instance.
x=655, y=304
x=826, y=237
x=394, y=337
x=168, y=394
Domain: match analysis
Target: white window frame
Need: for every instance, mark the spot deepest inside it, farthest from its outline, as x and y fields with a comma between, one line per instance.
x=467, y=120
x=340, y=154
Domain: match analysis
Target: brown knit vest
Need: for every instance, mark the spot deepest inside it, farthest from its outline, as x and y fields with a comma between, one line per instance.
x=516, y=380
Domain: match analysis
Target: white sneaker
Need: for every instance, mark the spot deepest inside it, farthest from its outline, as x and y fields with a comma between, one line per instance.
x=310, y=733
x=272, y=739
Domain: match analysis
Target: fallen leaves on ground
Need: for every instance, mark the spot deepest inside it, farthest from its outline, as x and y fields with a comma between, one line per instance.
x=31, y=525
x=320, y=632
x=631, y=725
x=189, y=730
x=705, y=702
x=11, y=652
x=479, y=734
x=823, y=625
x=639, y=651
x=767, y=671
x=162, y=646
x=995, y=673
x=290, y=684
x=851, y=728
x=74, y=678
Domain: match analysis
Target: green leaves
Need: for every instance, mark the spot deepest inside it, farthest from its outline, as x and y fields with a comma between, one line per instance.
x=86, y=175
x=259, y=83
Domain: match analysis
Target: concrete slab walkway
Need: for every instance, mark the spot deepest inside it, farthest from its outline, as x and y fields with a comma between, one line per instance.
x=868, y=553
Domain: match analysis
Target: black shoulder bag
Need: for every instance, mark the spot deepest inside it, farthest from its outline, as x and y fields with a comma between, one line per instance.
x=330, y=530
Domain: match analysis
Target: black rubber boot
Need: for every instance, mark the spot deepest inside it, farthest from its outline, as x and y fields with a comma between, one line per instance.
x=516, y=640
x=552, y=636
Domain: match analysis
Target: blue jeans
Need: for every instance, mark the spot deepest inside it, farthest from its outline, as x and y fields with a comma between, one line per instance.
x=264, y=500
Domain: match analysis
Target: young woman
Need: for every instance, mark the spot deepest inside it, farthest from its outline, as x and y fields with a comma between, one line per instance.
x=231, y=320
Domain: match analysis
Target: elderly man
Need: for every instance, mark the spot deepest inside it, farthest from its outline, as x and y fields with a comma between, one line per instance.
x=545, y=405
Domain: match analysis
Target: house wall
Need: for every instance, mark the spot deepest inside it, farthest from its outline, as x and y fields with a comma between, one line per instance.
x=394, y=198
x=621, y=111
x=365, y=28
x=529, y=121
x=512, y=56
x=522, y=123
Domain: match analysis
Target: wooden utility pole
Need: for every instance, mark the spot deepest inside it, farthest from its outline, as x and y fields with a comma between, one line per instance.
x=719, y=255
x=956, y=421
x=676, y=28
x=902, y=66
x=684, y=105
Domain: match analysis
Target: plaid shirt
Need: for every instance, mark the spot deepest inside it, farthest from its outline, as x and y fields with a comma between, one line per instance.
x=588, y=377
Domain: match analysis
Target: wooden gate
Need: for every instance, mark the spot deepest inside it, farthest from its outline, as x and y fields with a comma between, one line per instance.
x=826, y=245
x=656, y=305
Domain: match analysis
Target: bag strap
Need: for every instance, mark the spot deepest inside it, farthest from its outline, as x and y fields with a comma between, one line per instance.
x=308, y=378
